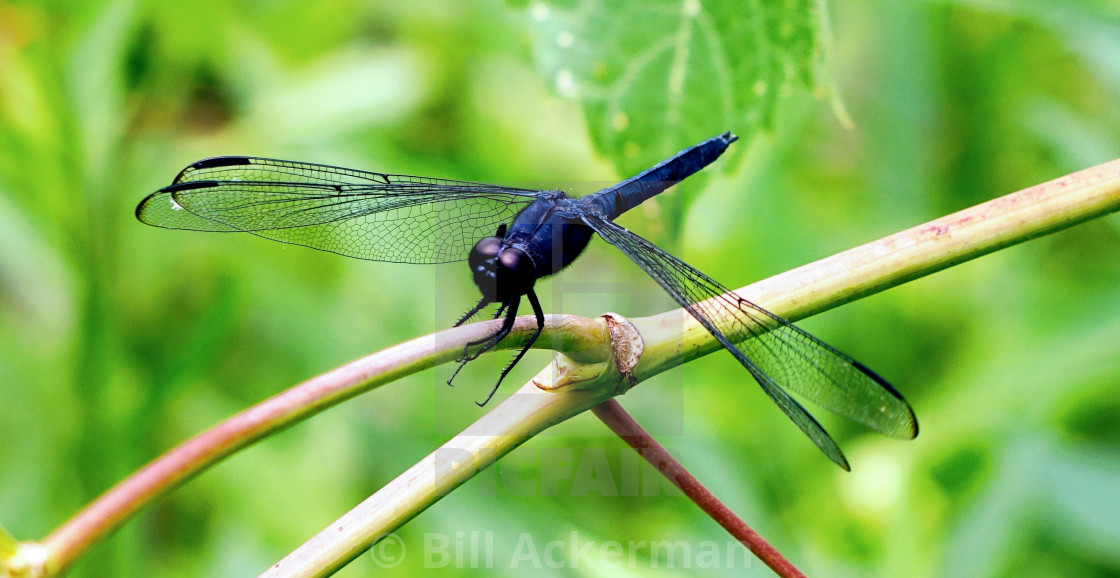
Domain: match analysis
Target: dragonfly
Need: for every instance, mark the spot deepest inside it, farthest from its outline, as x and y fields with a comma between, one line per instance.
x=513, y=237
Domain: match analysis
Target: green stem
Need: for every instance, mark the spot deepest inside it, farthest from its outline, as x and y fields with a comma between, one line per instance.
x=539, y=404
x=579, y=335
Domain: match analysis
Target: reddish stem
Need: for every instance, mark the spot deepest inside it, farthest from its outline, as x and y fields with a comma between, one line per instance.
x=621, y=423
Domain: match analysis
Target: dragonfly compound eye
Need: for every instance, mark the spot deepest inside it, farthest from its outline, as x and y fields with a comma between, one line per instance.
x=484, y=250
x=515, y=272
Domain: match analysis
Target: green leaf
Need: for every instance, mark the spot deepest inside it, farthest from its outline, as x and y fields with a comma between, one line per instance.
x=655, y=77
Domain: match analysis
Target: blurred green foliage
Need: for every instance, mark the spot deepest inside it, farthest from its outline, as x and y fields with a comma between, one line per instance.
x=118, y=341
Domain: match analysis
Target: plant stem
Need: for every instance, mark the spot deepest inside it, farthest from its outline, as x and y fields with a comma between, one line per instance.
x=621, y=423
x=188, y=459
x=529, y=411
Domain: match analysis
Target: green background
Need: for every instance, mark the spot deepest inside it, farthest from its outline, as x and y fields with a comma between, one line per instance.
x=858, y=119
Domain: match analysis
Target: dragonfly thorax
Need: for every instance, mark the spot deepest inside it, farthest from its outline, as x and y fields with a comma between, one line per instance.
x=500, y=271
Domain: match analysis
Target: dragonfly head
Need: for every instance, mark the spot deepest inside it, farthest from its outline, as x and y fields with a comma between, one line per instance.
x=501, y=271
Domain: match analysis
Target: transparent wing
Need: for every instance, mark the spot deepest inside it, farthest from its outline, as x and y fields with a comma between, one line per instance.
x=777, y=353
x=381, y=217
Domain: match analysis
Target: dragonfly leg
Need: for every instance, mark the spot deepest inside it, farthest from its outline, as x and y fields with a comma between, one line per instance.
x=481, y=303
x=489, y=342
x=471, y=313
x=492, y=340
x=539, y=313
x=470, y=344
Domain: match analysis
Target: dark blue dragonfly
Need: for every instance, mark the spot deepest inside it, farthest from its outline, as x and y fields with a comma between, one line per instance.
x=511, y=237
